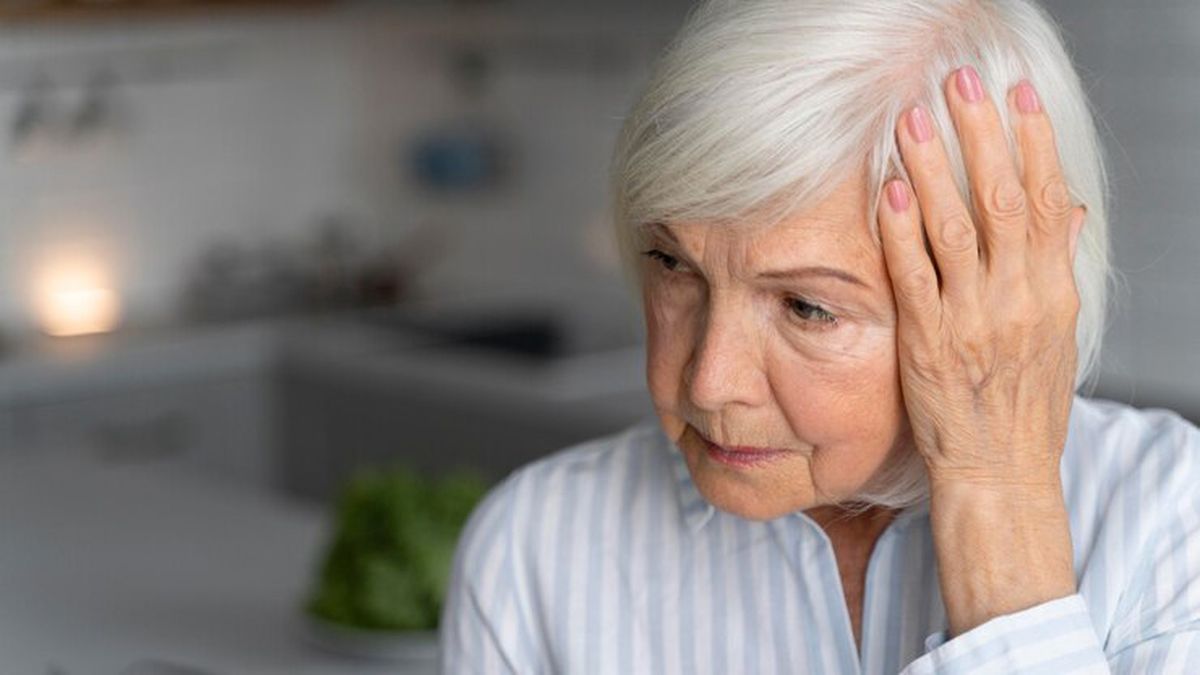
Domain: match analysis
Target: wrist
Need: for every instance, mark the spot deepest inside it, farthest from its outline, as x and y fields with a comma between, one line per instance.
x=1033, y=477
x=1030, y=491
x=1001, y=547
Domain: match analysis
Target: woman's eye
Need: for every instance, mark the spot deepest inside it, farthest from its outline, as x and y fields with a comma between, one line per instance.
x=810, y=312
x=669, y=262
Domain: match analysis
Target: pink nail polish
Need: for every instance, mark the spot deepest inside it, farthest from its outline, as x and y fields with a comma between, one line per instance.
x=969, y=85
x=1027, y=98
x=897, y=196
x=919, y=125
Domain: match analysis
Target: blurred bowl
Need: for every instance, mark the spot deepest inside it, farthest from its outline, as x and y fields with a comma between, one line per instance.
x=409, y=646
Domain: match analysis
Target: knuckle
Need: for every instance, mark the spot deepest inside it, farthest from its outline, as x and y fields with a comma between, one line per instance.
x=916, y=283
x=957, y=234
x=1007, y=200
x=1055, y=198
x=1021, y=310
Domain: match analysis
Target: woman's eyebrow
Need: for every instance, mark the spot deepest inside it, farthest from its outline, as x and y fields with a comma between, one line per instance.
x=663, y=230
x=818, y=271
x=795, y=273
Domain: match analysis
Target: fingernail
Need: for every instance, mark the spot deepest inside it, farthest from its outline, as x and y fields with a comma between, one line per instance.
x=969, y=85
x=919, y=125
x=1027, y=98
x=898, y=196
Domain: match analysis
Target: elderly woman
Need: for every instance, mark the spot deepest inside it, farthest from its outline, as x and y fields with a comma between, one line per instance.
x=857, y=228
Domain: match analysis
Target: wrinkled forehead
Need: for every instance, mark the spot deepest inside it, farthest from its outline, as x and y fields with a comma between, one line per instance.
x=838, y=227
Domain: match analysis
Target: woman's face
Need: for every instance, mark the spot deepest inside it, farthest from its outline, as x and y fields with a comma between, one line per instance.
x=763, y=338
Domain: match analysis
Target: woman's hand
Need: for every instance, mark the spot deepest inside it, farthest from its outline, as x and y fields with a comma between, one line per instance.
x=988, y=355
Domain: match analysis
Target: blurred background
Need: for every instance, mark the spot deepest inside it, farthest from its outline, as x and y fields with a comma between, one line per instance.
x=250, y=249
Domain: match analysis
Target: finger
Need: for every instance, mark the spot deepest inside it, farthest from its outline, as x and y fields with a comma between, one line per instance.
x=914, y=280
x=1051, y=205
x=996, y=189
x=946, y=218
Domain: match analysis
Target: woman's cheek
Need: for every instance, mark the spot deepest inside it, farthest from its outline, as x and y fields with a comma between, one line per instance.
x=864, y=377
x=847, y=346
x=831, y=393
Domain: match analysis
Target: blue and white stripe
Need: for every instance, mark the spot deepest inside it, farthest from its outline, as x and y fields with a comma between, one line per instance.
x=604, y=558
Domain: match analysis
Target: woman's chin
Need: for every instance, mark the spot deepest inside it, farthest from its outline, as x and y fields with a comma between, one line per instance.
x=751, y=494
x=755, y=507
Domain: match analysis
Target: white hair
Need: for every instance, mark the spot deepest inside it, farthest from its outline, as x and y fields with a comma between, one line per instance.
x=759, y=108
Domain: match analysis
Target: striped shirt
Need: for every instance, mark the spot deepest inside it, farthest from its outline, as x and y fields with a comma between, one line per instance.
x=604, y=558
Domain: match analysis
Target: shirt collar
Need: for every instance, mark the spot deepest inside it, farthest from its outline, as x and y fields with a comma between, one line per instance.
x=696, y=511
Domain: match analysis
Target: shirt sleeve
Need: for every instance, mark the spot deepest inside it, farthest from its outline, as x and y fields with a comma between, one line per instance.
x=480, y=623
x=1055, y=636
x=1158, y=631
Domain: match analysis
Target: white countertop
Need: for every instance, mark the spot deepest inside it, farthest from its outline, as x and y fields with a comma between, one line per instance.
x=103, y=566
x=59, y=369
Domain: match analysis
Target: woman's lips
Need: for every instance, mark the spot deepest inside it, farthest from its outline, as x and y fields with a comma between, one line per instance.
x=741, y=455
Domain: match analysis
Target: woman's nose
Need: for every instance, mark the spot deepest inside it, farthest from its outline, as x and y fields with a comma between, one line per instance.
x=725, y=368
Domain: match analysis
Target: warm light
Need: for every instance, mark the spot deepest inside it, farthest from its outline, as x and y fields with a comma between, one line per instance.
x=73, y=296
x=80, y=312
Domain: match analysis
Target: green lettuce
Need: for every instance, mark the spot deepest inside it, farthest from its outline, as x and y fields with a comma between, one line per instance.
x=388, y=563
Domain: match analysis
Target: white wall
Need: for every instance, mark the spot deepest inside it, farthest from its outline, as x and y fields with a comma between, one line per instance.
x=305, y=116
x=248, y=147
x=302, y=116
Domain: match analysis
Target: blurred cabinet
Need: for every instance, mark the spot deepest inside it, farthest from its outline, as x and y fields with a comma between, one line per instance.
x=299, y=406
x=220, y=426
x=203, y=397
x=440, y=409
